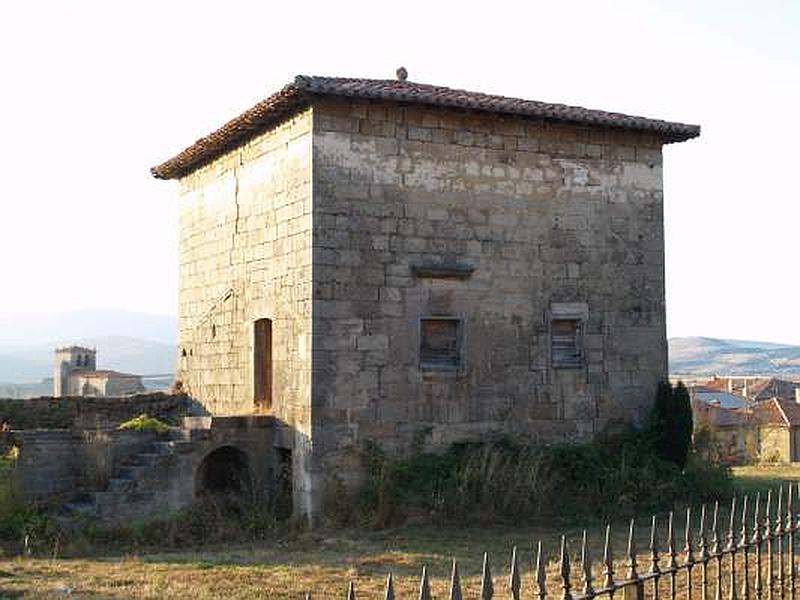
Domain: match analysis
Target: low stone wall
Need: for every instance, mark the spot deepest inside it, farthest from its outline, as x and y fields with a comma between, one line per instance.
x=55, y=464
x=90, y=413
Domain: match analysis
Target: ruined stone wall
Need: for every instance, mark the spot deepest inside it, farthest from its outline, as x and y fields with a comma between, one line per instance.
x=245, y=254
x=90, y=413
x=551, y=217
x=55, y=465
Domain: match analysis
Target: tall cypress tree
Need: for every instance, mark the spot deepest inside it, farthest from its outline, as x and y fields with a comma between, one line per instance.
x=682, y=406
x=659, y=419
x=671, y=423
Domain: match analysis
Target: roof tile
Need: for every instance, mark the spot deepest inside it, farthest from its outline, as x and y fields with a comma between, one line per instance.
x=301, y=92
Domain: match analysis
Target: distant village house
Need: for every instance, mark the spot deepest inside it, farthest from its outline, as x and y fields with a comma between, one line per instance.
x=741, y=420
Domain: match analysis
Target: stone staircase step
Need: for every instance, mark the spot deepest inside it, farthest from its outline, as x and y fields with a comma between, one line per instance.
x=134, y=471
x=133, y=490
x=144, y=459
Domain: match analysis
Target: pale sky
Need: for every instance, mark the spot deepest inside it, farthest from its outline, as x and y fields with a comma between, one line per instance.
x=96, y=92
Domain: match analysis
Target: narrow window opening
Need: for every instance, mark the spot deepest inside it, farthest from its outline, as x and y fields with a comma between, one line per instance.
x=566, y=347
x=262, y=363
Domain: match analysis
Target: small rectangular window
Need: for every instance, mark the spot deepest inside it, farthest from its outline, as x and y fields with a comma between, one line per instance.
x=440, y=343
x=566, y=348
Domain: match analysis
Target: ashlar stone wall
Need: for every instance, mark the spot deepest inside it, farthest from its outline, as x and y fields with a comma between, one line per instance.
x=245, y=254
x=352, y=221
x=552, y=218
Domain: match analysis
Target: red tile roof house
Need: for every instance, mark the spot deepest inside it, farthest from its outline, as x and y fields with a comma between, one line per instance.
x=403, y=263
x=754, y=388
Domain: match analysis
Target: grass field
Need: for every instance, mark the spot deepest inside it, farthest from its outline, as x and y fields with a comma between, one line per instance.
x=751, y=479
x=322, y=562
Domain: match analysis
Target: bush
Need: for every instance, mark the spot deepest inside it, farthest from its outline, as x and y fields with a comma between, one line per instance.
x=145, y=423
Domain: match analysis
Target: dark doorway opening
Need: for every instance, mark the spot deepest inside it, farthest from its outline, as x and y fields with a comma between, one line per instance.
x=262, y=364
x=224, y=475
x=284, y=500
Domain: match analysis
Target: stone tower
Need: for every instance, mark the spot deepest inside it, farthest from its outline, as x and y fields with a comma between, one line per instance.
x=68, y=360
x=401, y=263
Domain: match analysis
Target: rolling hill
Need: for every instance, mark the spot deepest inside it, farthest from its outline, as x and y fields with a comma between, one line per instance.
x=710, y=356
x=146, y=344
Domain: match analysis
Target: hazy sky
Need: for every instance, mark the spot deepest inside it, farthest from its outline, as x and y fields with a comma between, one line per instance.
x=94, y=93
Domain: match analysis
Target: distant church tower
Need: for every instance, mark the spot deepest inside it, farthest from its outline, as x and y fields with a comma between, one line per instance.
x=68, y=360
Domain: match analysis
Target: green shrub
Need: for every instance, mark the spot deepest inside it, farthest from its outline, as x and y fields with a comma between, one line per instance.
x=145, y=423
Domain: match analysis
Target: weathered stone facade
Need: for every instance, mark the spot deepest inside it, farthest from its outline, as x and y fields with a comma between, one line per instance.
x=550, y=217
x=245, y=253
x=430, y=274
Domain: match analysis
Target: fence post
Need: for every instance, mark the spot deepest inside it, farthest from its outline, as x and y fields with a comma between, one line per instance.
x=790, y=529
x=703, y=547
x=673, y=560
x=779, y=535
x=487, y=587
x=655, y=568
x=745, y=544
x=689, y=564
x=716, y=552
x=586, y=564
x=566, y=587
x=608, y=562
x=514, y=581
x=732, y=550
x=757, y=543
x=455, y=583
x=634, y=588
x=424, y=585
x=768, y=533
x=389, y=594
x=541, y=573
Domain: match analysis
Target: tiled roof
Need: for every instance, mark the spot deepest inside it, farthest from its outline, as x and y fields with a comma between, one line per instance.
x=301, y=92
x=772, y=388
x=778, y=412
x=101, y=373
x=723, y=399
x=716, y=416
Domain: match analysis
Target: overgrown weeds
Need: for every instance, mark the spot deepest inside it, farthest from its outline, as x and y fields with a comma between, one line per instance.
x=209, y=521
x=615, y=475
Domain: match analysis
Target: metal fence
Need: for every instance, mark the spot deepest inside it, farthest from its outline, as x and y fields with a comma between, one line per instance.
x=747, y=553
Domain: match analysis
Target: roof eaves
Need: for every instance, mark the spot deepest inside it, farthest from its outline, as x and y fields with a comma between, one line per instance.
x=232, y=134
x=300, y=92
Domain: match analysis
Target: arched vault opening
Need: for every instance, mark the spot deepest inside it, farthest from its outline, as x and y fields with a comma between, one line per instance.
x=224, y=473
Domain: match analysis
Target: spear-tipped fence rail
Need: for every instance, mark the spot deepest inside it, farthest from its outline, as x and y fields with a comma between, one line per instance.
x=753, y=556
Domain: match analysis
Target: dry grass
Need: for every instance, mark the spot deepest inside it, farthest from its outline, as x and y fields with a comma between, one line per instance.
x=322, y=563
x=769, y=473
